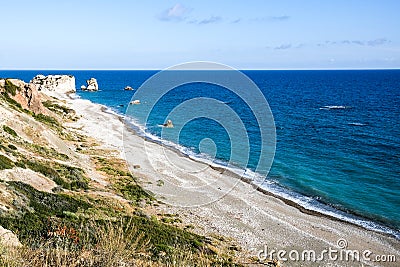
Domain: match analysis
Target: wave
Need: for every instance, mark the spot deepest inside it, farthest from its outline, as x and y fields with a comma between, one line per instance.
x=272, y=187
x=74, y=96
x=142, y=131
x=112, y=111
x=314, y=205
x=357, y=124
x=334, y=107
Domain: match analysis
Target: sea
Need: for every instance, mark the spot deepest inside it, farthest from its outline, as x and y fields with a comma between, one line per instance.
x=337, y=133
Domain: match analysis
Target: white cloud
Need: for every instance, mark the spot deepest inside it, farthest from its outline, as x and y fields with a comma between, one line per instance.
x=287, y=46
x=176, y=13
x=280, y=17
x=212, y=19
x=283, y=47
x=376, y=42
x=236, y=20
x=300, y=45
x=271, y=18
x=358, y=42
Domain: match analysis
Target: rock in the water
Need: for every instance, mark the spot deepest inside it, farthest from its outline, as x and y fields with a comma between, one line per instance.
x=135, y=102
x=128, y=88
x=83, y=87
x=91, y=85
x=55, y=83
x=26, y=94
x=168, y=124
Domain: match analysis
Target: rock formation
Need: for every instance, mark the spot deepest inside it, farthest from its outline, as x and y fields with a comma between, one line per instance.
x=55, y=83
x=168, y=124
x=135, y=102
x=26, y=94
x=91, y=85
x=8, y=238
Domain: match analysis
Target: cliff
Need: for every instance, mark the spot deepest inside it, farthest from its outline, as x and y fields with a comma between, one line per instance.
x=25, y=94
x=55, y=83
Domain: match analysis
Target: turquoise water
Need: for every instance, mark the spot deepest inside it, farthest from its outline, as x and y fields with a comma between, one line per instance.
x=338, y=134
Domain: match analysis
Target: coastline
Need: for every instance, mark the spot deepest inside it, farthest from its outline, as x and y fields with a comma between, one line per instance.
x=316, y=209
x=252, y=217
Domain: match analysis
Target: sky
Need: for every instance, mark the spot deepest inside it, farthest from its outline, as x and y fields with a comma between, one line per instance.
x=155, y=34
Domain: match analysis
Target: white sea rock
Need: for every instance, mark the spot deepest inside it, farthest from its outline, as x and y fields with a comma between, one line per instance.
x=54, y=83
x=92, y=85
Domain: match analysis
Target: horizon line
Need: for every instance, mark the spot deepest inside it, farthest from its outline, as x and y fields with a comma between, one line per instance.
x=154, y=69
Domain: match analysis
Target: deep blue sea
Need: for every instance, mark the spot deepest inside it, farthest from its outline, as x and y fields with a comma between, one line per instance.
x=337, y=132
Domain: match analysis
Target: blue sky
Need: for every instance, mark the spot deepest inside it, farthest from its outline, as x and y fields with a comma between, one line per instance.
x=253, y=34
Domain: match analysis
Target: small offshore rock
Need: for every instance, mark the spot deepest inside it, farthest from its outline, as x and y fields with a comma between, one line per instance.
x=91, y=85
x=168, y=124
x=135, y=102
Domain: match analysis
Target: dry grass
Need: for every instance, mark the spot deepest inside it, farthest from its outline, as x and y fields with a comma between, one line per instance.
x=109, y=244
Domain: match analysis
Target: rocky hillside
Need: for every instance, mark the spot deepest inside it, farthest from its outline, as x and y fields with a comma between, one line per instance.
x=24, y=94
x=66, y=200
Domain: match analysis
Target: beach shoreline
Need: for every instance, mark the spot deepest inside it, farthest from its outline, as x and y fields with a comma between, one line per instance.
x=253, y=217
x=383, y=229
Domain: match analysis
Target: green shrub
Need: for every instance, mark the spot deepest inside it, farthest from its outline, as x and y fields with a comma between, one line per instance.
x=10, y=149
x=167, y=238
x=30, y=224
x=48, y=152
x=112, y=168
x=171, y=220
x=47, y=120
x=134, y=192
x=14, y=104
x=5, y=148
x=124, y=182
x=42, y=168
x=46, y=206
x=74, y=176
x=115, y=172
x=65, y=176
x=5, y=163
x=11, y=146
x=9, y=131
x=59, y=109
x=48, y=203
x=11, y=88
x=20, y=164
x=11, y=101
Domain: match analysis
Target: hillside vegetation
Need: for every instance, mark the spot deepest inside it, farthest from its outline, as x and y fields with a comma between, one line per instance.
x=67, y=202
